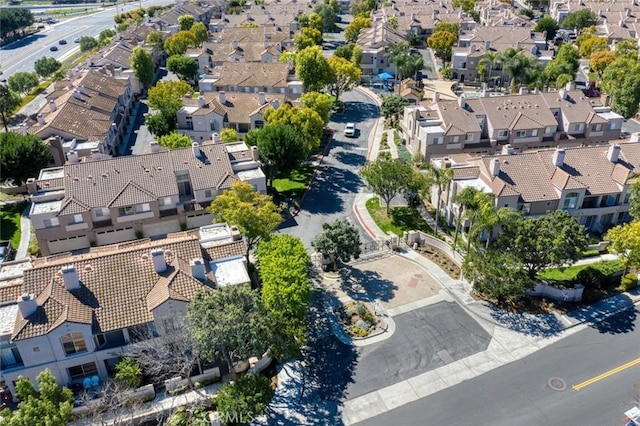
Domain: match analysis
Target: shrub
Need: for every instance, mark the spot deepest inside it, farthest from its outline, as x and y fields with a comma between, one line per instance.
x=128, y=373
x=629, y=282
x=245, y=399
x=590, y=277
x=359, y=332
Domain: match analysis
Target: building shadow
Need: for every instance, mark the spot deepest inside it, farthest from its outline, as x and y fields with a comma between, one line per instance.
x=596, y=315
x=540, y=325
x=366, y=285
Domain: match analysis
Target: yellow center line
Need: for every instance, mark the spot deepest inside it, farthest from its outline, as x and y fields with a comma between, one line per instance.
x=606, y=374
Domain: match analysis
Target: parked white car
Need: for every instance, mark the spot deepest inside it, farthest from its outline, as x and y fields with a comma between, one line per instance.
x=350, y=130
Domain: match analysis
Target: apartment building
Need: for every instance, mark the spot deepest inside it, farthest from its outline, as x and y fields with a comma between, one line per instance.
x=89, y=107
x=373, y=42
x=252, y=77
x=280, y=17
x=212, y=112
x=96, y=203
x=614, y=11
x=591, y=183
x=523, y=121
x=75, y=315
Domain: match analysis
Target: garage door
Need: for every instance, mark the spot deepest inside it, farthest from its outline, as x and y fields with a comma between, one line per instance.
x=115, y=236
x=68, y=244
x=198, y=221
x=162, y=228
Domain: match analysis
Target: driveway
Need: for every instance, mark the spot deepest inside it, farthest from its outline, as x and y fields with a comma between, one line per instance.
x=425, y=339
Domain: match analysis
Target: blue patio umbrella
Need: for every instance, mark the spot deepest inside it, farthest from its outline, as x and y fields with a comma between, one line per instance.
x=385, y=76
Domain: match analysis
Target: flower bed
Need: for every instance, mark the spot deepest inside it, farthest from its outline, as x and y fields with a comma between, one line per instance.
x=441, y=259
x=357, y=319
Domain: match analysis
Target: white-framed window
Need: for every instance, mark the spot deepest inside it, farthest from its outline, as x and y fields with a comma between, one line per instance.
x=143, y=208
x=258, y=124
x=73, y=343
x=455, y=139
x=102, y=212
x=126, y=211
x=208, y=193
x=503, y=133
x=81, y=371
x=570, y=201
x=578, y=127
x=164, y=201
x=613, y=125
x=51, y=223
x=596, y=127
x=468, y=137
x=214, y=125
x=189, y=122
x=521, y=134
x=438, y=140
x=77, y=218
x=534, y=132
x=548, y=130
x=526, y=208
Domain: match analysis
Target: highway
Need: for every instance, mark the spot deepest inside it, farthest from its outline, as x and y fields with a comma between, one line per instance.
x=21, y=55
x=589, y=378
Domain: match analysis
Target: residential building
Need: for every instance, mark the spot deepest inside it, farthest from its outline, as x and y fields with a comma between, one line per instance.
x=89, y=107
x=168, y=21
x=373, y=42
x=280, y=17
x=524, y=121
x=103, y=202
x=212, y=112
x=252, y=77
x=591, y=183
x=615, y=11
x=494, y=13
x=76, y=314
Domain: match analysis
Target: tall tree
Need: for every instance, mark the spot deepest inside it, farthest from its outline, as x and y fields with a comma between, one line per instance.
x=490, y=60
x=539, y=242
x=634, y=201
x=142, y=65
x=320, y=103
x=243, y=400
x=441, y=178
x=307, y=37
x=186, y=68
x=46, y=66
x=22, y=156
x=327, y=15
x=442, y=43
x=167, y=95
x=9, y=102
x=281, y=149
x=255, y=214
x=598, y=61
x=185, y=22
x=306, y=121
x=465, y=200
x=397, y=54
x=88, y=43
x=548, y=24
x=387, y=178
x=231, y=324
x=413, y=64
x=23, y=82
x=200, y=32
x=155, y=39
x=50, y=405
x=352, y=31
x=178, y=43
x=621, y=80
x=393, y=106
x=338, y=242
x=312, y=68
x=625, y=242
x=592, y=45
x=581, y=18
x=174, y=140
x=343, y=76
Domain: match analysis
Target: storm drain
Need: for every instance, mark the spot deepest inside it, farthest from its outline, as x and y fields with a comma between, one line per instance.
x=557, y=384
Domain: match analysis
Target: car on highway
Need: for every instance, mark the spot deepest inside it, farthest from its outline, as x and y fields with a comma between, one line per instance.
x=63, y=41
x=76, y=40
x=52, y=21
x=350, y=130
x=53, y=48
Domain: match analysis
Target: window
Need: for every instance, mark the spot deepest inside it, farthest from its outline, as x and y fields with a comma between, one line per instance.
x=81, y=371
x=208, y=193
x=437, y=140
x=578, y=127
x=51, y=223
x=214, y=126
x=526, y=208
x=549, y=130
x=534, y=132
x=102, y=212
x=258, y=124
x=468, y=137
x=503, y=133
x=521, y=134
x=588, y=221
x=101, y=339
x=73, y=343
x=164, y=201
x=9, y=354
x=143, y=208
x=613, y=126
x=189, y=123
x=570, y=201
x=596, y=127
x=77, y=218
x=126, y=211
x=627, y=197
x=455, y=139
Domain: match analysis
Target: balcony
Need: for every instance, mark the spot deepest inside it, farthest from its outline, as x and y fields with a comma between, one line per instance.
x=76, y=226
x=168, y=212
x=102, y=223
x=135, y=216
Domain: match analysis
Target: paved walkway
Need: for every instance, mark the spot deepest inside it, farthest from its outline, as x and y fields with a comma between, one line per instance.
x=25, y=234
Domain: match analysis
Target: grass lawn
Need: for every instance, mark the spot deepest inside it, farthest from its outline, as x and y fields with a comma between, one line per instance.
x=296, y=182
x=569, y=273
x=402, y=218
x=10, y=223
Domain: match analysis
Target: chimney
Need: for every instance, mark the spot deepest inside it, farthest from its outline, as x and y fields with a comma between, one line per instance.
x=69, y=83
x=472, y=49
x=52, y=105
x=32, y=186
x=198, y=270
x=195, y=147
x=27, y=304
x=72, y=157
x=155, y=148
x=461, y=102
x=523, y=91
x=234, y=44
x=436, y=97
x=159, y=263
x=223, y=97
x=558, y=157
x=40, y=119
x=563, y=93
x=201, y=101
x=77, y=94
x=248, y=16
x=495, y=167
x=487, y=45
x=613, y=153
x=254, y=153
x=276, y=103
x=215, y=138
x=261, y=98
x=22, y=129
x=70, y=277
x=507, y=150
x=95, y=154
x=413, y=17
x=570, y=86
x=518, y=45
x=82, y=90
x=606, y=100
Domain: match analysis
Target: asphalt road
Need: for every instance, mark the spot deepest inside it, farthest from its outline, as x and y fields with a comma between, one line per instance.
x=520, y=393
x=21, y=55
x=337, y=180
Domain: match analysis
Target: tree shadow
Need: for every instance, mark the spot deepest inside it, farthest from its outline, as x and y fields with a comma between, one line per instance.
x=539, y=325
x=23, y=42
x=356, y=111
x=366, y=285
x=596, y=315
x=350, y=158
x=329, y=182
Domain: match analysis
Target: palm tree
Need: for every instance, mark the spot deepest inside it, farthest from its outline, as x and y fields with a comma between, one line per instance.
x=490, y=60
x=511, y=60
x=413, y=64
x=398, y=54
x=489, y=219
x=465, y=200
x=478, y=207
x=441, y=178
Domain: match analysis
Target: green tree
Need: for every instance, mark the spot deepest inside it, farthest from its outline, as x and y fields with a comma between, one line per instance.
x=540, y=242
x=628, y=48
x=581, y=18
x=442, y=43
x=592, y=45
x=13, y=22
x=167, y=95
x=286, y=291
x=304, y=121
x=155, y=39
x=186, y=68
x=549, y=25
x=320, y=103
x=352, y=31
x=625, y=243
x=128, y=373
x=343, y=76
x=255, y=214
x=621, y=80
x=230, y=323
x=393, y=106
x=245, y=399
x=307, y=37
x=466, y=5
x=598, y=61
x=281, y=149
x=312, y=68
x=466, y=200
x=185, y=22
x=45, y=66
x=251, y=137
x=178, y=43
x=105, y=36
x=22, y=156
x=315, y=22
x=397, y=54
x=452, y=27
x=200, y=32
x=441, y=178
x=360, y=8
x=23, y=82
x=338, y=242
x=490, y=61
x=174, y=140
x=161, y=123
x=88, y=43
x=9, y=102
x=229, y=135
x=387, y=178
x=50, y=405
x=142, y=66
x=634, y=201
x=327, y=15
